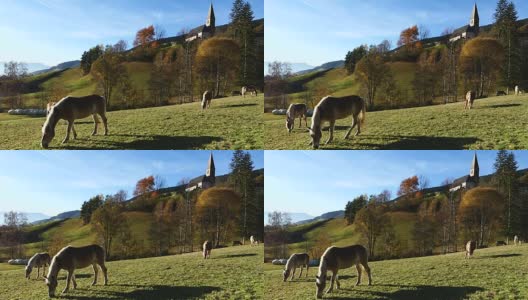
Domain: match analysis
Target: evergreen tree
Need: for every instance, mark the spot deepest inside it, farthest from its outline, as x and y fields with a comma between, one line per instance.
x=505, y=179
x=506, y=31
x=242, y=30
x=352, y=207
x=88, y=208
x=242, y=179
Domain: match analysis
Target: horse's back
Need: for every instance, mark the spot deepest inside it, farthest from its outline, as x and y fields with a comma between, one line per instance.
x=339, y=107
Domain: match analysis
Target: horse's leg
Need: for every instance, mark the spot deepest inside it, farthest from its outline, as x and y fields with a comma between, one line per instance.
x=331, y=288
x=307, y=266
x=358, y=122
x=67, y=138
x=105, y=272
x=302, y=266
x=105, y=123
x=305, y=122
x=68, y=279
x=354, y=122
x=359, y=271
x=94, y=266
x=94, y=132
x=337, y=282
x=38, y=272
x=74, y=132
x=74, y=282
x=331, y=137
x=367, y=269
x=293, y=274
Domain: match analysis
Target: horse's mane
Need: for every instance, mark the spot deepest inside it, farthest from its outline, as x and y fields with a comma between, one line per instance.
x=316, y=117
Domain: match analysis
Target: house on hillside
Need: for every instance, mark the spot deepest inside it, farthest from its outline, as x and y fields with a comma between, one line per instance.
x=205, y=31
x=206, y=181
x=471, y=30
x=470, y=181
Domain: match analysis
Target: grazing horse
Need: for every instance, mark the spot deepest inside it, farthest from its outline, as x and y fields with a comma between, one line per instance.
x=335, y=258
x=38, y=260
x=207, y=247
x=237, y=243
x=295, y=261
x=206, y=99
x=295, y=110
x=516, y=90
x=500, y=243
x=71, y=258
x=515, y=240
x=501, y=93
x=330, y=109
x=253, y=241
x=470, y=248
x=71, y=109
x=246, y=89
x=470, y=98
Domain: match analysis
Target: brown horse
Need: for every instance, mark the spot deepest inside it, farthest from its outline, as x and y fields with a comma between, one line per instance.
x=38, y=260
x=206, y=99
x=248, y=89
x=71, y=109
x=295, y=110
x=330, y=109
x=207, y=247
x=296, y=260
x=335, y=258
x=71, y=258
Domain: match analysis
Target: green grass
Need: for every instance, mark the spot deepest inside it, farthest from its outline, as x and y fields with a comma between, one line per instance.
x=230, y=123
x=494, y=123
x=494, y=273
x=231, y=273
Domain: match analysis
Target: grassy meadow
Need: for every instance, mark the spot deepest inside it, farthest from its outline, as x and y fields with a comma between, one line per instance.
x=493, y=273
x=230, y=123
x=493, y=123
x=230, y=273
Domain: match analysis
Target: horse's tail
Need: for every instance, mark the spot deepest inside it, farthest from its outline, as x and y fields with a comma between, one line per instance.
x=363, y=113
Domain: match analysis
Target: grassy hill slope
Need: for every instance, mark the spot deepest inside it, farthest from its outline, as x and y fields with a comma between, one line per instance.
x=493, y=273
x=231, y=273
x=230, y=123
x=494, y=123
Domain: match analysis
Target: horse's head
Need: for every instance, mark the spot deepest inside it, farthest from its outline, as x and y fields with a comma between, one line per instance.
x=48, y=129
x=204, y=104
x=289, y=124
x=285, y=274
x=28, y=271
x=51, y=282
x=315, y=134
x=320, y=283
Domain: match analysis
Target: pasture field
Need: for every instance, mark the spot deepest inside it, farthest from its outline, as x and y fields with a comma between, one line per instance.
x=493, y=123
x=493, y=273
x=230, y=273
x=230, y=123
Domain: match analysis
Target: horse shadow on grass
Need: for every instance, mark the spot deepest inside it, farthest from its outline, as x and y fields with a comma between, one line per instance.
x=411, y=292
x=151, y=292
x=149, y=142
x=239, y=105
x=501, y=255
x=504, y=105
x=418, y=142
x=237, y=255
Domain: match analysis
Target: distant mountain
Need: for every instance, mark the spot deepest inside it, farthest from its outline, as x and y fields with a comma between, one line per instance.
x=296, y=217
x=32, y=67
x=323, y=67
x=59, y=67
x=325, y=216
x=296, y=67
x=31, y=217
x=61, y=216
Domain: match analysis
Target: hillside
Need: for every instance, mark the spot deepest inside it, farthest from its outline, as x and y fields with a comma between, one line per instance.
x=447, y=276
x=230, y=123
x=493, y=123
x=186, y=276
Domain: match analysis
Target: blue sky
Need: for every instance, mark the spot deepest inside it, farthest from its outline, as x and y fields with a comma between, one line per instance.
x=52, y=182
x=55, y=31
x=317, y=31
x=315, y=182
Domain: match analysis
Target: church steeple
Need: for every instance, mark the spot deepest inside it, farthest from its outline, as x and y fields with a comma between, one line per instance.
x=210, y=22
x=474, y=20
x=474, y=171
x=210, y=172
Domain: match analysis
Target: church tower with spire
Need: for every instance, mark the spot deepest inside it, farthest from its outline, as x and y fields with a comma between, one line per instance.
x=474, y=171
x=210, y=172
x=474, y=21
x=210, y=22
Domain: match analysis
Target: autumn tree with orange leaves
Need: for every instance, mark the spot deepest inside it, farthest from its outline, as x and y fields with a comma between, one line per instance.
x=146, y=192
x=480, y=213
x=145, y=36
x=216, y=211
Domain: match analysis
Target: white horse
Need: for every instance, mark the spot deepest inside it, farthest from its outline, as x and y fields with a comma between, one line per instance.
x=516, y=240
x=70, y=258
x=250, y=89
x=470, y=98
x=470, y=248
x=336, y=258
x=295, y=261
x=253, y=241
x=516, y=90
x=38, y=260
x=207, y=247
x=206, y=99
